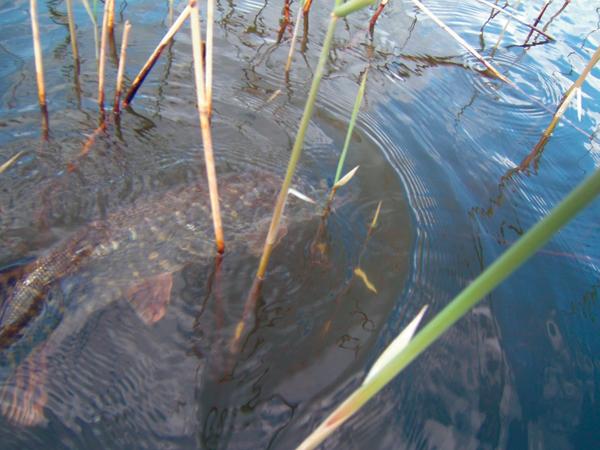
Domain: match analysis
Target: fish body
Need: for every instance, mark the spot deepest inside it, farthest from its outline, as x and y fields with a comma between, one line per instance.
x=131, y=253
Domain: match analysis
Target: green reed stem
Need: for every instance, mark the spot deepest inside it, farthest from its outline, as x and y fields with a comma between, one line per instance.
x=357, y=103
x=343, y=9
x=296, y=150
x=507, y=263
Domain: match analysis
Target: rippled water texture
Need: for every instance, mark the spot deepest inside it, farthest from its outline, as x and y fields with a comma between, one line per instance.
x=434, y=140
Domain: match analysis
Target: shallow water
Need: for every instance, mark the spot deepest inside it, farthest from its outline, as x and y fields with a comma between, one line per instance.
x=434, y=139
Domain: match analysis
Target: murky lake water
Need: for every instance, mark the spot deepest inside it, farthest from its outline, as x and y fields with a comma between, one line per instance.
x=434, y=139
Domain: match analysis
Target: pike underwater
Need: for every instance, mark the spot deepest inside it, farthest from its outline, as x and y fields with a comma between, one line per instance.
x=120, y=325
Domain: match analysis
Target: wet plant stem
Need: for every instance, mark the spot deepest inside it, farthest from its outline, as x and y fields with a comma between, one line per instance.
x=102, y=61
x=202, y=101
x=121, y=69
x=39, y=67
x=505, y=265
x=145, y=70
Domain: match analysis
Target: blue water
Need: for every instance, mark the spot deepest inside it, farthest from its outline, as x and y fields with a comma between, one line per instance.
x=435, y=139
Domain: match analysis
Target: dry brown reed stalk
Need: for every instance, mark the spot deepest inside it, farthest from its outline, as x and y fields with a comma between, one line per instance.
x=141, y=76
x=201, y=99
x=102, y=61
x=562, y=107
x=39, y=67
x=461, y=41
x=210, y=17
x=537, y=20
x=376, y=15
x=73, y=35
x=121, y=70
x=514, y=17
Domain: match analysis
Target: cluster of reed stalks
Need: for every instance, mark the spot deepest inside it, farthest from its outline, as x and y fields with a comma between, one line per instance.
x=407, y=346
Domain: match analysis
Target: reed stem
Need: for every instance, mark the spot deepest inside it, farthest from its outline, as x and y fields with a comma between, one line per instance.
x=121, y=69
x=537, y=20
x=458, y=39
x=201, y=99
x=102, y=61
x=562, y=107
x=39, y=66
x=376, y=15
x=515, y=17
x=296, y=150
x=504, y=266
x=210, y=12
x=353, y=117
x=111, y=17
x=141, y=76
x=288, y=64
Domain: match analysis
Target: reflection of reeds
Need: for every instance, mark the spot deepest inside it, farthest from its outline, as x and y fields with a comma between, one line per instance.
x=141, y=76
x=121, y=70
x=460, y=40
x=73, y=35
x=562, y=107
x=39, y=66
x=505, y=265
x=202, y=101
x=516, y=18
x=537, y=20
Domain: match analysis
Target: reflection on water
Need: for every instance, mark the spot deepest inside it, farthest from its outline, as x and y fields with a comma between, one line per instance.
x=434, y=140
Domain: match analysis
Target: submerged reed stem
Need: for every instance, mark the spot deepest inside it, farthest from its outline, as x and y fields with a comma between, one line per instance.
x=39, y=66
x=201, y=99
x=145, y=70
x=121, y=69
